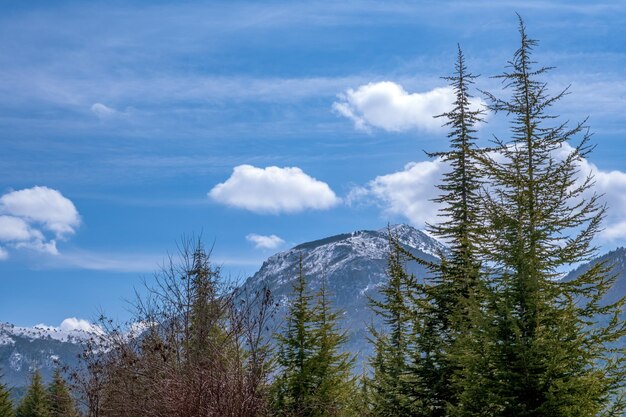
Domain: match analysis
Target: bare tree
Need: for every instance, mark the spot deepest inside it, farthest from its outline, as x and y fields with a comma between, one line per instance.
x=196, y=348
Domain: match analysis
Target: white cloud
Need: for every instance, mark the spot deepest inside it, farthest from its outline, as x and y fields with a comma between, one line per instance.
x=15, y=229
x=103, y=111
x=28, y=215
x=388, y=106
x=71, y=324
x=4, y=255
x=265, y=242
x=407, y=193
x=42, y=205
x=273, y=190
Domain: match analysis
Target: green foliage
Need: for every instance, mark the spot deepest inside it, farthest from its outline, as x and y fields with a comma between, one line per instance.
x=6, y=406
x=547, y=357
x=206, y=312
x=444, y=309
x=391, y=382
x=315, y=378
x=334, y=383
x=35, y=403
x=493, y=331
x=59, y=397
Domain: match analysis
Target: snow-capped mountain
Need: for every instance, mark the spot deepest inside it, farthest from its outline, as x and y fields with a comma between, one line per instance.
x=354, y=266
x=24, y=349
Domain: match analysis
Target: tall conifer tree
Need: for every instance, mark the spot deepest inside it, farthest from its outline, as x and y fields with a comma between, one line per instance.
x=448, y=304
x=335, y=386
x=552, y=352
x=315, y=378
x=35, y=403
x=294, y=386
x=390, y=383
x=59, y=397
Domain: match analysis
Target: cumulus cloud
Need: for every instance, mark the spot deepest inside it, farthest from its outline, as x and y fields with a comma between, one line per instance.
x=42, y=205
x=264, y=242
x=71, y=324
x=273, y=190
x=15, y=229
x=34, y=218
x=407, y=193
x=388, y=106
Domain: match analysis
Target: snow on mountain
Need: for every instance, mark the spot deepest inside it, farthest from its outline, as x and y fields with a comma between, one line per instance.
x=43, y=347
x=354, y=266
x=66, y=332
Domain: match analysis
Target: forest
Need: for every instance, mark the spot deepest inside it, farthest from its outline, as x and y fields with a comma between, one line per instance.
x=491, y=331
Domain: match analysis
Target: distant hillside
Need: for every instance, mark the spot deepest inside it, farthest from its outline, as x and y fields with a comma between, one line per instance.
x=617, y=260
x=24, y=349
x=354, y=265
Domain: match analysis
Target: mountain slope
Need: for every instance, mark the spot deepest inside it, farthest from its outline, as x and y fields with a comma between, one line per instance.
x=354, y=265
x=24, y=349
x=615, y=259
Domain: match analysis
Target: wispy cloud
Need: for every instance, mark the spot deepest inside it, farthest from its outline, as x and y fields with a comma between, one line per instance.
x=264, y=242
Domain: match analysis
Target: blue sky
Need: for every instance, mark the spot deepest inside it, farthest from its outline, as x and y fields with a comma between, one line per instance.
x=126, y=125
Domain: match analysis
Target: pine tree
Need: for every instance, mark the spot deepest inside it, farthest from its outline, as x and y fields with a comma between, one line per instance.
x=552, y=349
x=6, y=406
x=295, y=384
x=205, y=310
x=390, y=384
x=448, y=306
x=315, y=378
x=335, y=386
x=35, y=403
x=59, y=398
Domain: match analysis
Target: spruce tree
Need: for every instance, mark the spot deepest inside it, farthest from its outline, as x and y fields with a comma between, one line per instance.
x=35, y=403
x=390, y=383
x=59, y=397
x=454, y=287
x=205, y=310
x=315, y=378
x=6, y=406
x=295, y=383
x=552, y=352
x=335, y=386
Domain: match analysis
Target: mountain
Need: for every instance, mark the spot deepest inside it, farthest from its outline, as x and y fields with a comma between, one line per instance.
x=354, y=266
x=24, y=349
x=616, y=259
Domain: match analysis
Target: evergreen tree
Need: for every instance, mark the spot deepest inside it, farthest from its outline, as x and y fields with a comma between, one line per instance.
x=59, y=398
x=205, y=310
x=442, y=312
x=6, y=406
x=315, y=378
x=551, y=353
x=35, y=403
x=390, y=384
x=295, y=384
x=335, y=386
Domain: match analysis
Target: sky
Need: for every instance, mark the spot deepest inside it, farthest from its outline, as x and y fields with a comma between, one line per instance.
x=128, y=126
